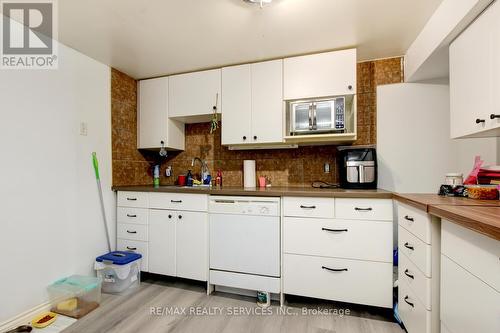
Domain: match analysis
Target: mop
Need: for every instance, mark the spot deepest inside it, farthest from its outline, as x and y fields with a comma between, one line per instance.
x=103, y=211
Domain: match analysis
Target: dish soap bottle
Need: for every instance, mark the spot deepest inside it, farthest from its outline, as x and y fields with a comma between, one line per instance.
x=156, y=176
x=189, y=178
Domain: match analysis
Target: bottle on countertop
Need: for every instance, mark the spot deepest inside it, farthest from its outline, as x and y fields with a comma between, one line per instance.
x=156, y=176
x=218, y=179
x=189, y=178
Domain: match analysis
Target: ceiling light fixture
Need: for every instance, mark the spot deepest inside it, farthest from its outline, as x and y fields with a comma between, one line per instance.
x=260, y=2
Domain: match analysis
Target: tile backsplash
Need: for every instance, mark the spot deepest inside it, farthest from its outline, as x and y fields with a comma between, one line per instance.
x=285, y=167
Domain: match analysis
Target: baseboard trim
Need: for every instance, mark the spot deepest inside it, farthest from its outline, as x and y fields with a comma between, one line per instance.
x=25, y=317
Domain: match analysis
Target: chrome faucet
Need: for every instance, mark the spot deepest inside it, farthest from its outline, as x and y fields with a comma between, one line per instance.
x=204, y=168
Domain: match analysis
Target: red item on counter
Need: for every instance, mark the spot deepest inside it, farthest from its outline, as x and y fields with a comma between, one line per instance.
x=181, y=180
x=472, y=178
x=218, y=179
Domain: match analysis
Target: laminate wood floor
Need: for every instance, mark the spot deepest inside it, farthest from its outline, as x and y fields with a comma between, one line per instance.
x=146, y=310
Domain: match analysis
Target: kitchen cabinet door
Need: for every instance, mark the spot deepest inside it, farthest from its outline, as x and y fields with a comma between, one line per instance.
x=152, y=108
x=161, y=251
x=495, y=73
x=236, y=105
x=153, y=124
x=267, y=102
x=193, y=95
x=191, y=243
x=320, y=75
x=474, y=77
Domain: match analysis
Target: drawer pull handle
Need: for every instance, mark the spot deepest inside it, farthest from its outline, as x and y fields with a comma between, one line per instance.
x=335, y=230
x=409, y=303
x=131, y=248
x=363, y=209
x=180, y=217
x=407, y=273
x=131, y=232
x=335, y=269
x=131, y=215
x=307, y=207
x=411, y=219
x=176, y=201
x=132, y=199
x=408, y=246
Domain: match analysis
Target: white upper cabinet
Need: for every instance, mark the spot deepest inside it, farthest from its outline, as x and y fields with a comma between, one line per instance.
x=267, y=102
x=153, y=124
x=192, y=96
x=320, y=75
x=475, y=78
x=236, y=105
x=252, y=104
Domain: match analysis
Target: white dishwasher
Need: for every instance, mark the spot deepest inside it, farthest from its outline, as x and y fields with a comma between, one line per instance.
x=245, y=242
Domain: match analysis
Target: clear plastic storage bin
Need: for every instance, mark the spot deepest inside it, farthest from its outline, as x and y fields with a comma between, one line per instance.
x=75, y=296
x=119, y=271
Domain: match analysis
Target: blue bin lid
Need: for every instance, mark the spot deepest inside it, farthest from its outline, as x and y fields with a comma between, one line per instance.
x=119, y=257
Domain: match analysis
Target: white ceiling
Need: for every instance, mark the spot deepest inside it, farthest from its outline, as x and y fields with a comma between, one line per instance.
x=159, y=37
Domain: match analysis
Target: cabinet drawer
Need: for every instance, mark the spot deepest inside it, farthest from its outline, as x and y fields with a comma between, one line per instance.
x=476, y=253
x=309, y=207
x=364, y=209
x=129, y=231
x=415, y=221
x=179, y=201
x=416, y=280
x=366, y=240
x=354, y=281
x=415, y=317
x=132, y=199
x=136, y=247
x=132, y=215
x=467, y=303
x=415, y=250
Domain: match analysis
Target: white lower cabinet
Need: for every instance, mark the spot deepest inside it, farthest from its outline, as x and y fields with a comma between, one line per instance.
x=419, y=269
x=162, y=242
x=470, y=301
x=191, y=245
x=353, y=281
x=334, y=251
x=178, y=243
x=169, y=230
x=413, y=313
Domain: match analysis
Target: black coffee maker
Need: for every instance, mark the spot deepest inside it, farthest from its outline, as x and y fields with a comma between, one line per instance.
x=358, y=167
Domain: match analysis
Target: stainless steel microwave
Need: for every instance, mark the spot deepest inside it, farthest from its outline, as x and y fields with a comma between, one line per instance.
x=317, y=116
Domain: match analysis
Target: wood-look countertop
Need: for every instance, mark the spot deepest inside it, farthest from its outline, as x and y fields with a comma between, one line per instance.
x=482, y=216
x=266, y=192
x=485, y=220
x=424, y=201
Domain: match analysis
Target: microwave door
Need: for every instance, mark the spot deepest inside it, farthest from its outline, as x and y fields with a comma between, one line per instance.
x=324, y=115
x=301, y=117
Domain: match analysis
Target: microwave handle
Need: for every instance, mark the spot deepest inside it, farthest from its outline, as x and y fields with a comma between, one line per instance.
x=311, y=125
x=314, y=122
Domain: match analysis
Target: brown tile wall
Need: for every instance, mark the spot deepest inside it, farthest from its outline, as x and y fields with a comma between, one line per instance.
x=285, y=167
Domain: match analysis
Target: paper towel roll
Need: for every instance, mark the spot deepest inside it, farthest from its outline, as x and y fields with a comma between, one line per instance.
x=249, y=178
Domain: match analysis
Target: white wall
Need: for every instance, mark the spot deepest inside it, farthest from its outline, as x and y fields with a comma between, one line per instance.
x=50, y=217
x=413, y=139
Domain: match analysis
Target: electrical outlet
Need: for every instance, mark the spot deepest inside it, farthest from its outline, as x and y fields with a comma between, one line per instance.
x=326, y=167
x=83, y=128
